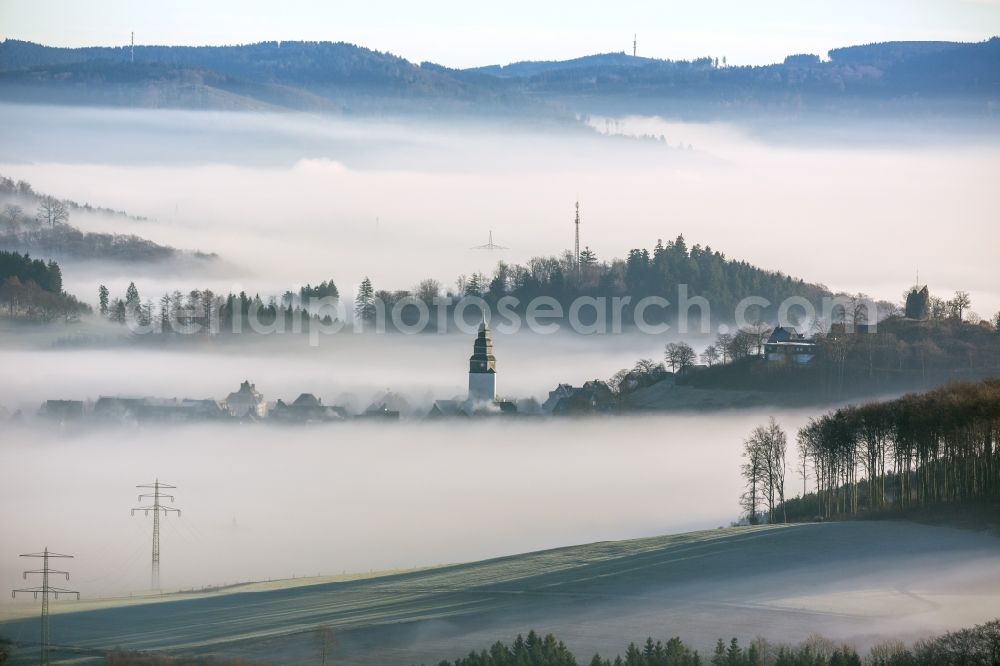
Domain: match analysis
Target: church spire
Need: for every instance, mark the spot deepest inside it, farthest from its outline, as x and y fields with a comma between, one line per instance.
x=482, y=359
x=483, y=367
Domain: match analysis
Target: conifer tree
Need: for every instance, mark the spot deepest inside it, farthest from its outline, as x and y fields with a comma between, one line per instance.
x=364, y=304
x=132, y=296
x=55, y=278
x=102, y=299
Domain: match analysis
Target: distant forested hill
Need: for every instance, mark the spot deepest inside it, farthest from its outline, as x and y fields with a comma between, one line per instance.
x=298, y=75
x=152, y=85
x=535, y=67
x=673, y=272
x=913, y=77
x=887, y=53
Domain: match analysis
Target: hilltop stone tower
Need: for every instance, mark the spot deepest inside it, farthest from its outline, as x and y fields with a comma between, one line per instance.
x=918, y=303
x=483, y=367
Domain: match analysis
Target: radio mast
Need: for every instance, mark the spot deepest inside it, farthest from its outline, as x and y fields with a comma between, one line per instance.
x=576, y=245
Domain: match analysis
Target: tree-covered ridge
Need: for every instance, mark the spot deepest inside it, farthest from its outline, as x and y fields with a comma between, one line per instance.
x=291, y=74
x=202, y=311
x=856, y=71
x=887, y=53
x=32, y=289
x=274, y=62
x=978, y=646
x=529, y=68
x=919, y=450
x=20, y=189
x=706, y=272
x=40, y=223
x=950, y=342
x=921, y=76
x=922, y=450
x=700, y=271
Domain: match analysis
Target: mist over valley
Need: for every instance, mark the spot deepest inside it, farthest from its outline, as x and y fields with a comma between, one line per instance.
x=310, y=353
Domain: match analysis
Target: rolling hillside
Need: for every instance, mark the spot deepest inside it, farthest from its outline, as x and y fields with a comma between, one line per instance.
x=535, y=67
x=853, y=581
x=912, y=77
x=296, y=75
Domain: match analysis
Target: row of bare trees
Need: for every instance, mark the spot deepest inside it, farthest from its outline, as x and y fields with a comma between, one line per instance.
x=764, y=472
x=51, y=213
x=920, y=449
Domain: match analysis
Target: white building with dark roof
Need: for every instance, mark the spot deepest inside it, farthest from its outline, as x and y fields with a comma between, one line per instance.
x=248, y=401
x=788, y=345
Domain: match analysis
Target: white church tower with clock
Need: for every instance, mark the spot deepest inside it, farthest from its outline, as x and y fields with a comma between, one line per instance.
x=483, y=367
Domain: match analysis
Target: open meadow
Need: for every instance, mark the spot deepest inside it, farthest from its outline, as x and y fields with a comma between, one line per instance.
x=860, y=582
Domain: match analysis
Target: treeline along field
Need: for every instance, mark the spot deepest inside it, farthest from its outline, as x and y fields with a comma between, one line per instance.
x=920, y=450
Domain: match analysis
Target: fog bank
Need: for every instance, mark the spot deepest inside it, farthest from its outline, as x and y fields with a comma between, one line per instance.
x=296, y=198
x=265, y=502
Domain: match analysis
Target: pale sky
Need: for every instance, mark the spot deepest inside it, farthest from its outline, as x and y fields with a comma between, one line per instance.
x=464, y=34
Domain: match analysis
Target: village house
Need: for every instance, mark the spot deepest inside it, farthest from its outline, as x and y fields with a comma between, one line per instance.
x=62, y=410
x=447, y=409
x=789, y=346
x=379, y=412
x=158, y=409
x=246, y=402
x=593, y=397
x=307, y=408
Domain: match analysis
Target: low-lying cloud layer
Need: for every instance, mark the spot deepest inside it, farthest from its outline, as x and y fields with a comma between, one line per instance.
x=265, y=502
x=295, y=199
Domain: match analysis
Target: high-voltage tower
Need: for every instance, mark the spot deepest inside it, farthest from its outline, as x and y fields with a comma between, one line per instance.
x=45, y=590
x=156, y=507
x=490, y=245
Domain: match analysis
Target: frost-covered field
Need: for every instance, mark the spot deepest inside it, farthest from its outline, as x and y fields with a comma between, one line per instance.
x=861, y=582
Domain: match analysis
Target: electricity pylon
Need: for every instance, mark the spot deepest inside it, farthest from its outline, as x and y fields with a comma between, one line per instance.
x=490, y=245
x=156, y=507
x=45, y=590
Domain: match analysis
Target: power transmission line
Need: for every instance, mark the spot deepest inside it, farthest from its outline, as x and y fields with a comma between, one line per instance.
x=45, y=590
x=156, y=507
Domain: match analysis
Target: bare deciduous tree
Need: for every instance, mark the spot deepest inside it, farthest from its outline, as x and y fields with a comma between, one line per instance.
x=428, y=290
x=765, y=469
x=938, y=308
x=11, y=217
x=724, y=344
x=860, y=309
x=52, y=212
x=959, y=303
x=679, y=355
x=710, y=356
x=758, y=332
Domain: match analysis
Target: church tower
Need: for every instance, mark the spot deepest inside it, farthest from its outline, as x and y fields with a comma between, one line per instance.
x=483, y=367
